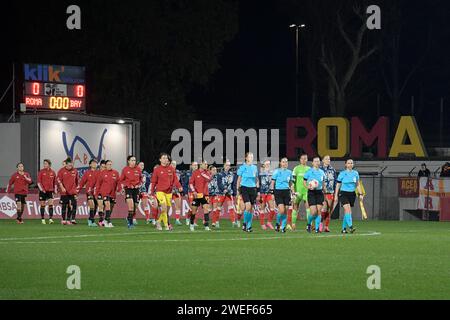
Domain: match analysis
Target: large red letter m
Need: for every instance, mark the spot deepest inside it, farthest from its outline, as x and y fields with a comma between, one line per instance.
x=360, y=136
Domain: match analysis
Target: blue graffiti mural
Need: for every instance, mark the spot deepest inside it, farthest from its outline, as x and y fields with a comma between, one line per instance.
x=70, y=151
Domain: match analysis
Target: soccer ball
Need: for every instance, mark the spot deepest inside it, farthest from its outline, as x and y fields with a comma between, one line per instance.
x=313, y=184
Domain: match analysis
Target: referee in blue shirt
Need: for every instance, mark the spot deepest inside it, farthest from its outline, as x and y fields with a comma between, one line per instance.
x=281, y=186
x=247, y=186
x=314, y=180
x=347, y=184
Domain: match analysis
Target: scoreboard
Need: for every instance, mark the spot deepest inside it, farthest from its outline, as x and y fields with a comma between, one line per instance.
x=54, y=88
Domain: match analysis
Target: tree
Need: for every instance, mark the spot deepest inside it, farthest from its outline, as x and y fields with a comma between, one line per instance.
x=142, y=58
x=396, y=78
x=340, y=64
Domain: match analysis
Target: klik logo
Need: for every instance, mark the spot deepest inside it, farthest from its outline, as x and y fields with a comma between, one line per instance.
x=8, y=206
x=53, y=73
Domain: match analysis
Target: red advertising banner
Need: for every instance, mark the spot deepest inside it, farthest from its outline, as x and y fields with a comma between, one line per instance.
x=408, y=187
x=32, y=208
x=445, y=209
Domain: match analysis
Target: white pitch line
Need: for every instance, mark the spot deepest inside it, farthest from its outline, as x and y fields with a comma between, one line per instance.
x=199, y=240
x=130, y=233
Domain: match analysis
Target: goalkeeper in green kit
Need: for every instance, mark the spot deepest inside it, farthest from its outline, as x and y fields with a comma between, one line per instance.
x=301, y=192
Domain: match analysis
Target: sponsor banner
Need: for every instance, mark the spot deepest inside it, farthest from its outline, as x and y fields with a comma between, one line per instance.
x=430, y=193
x=83, y=141
x=32, y=210
x=408, y=187
x=53, y=73
x=445, y=209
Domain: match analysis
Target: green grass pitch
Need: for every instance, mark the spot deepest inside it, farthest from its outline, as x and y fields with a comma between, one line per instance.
x=414, y=258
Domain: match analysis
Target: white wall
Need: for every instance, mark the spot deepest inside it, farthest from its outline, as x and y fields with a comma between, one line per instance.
x=85, y=140
x=9, y=151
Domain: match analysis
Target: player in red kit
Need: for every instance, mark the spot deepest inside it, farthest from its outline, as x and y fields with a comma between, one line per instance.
x=20, y=180
x=99, y=196
x=176, y=196
x=148, y=202
x=88, y=181
x=67, y=180
x=108, y=184
x=47, y=186
x=198, y=185
x=185, y=184
x=130, y=182
x=164, y=180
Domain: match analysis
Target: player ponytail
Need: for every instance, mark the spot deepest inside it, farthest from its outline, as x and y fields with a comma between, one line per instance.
x=247, y=154
x=281, y=160
x=346, y=162
x=162, y=154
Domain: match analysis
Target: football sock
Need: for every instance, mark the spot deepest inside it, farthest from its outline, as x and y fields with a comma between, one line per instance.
x=318, y=219
x=108, y=215
x=294, y=216
x=91, y=215
x=284, y=219
x=348, y=217
x=310, y=219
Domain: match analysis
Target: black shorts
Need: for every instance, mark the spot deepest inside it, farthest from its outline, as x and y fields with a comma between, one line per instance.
x=44, y=196
x=132, y=194
x=107, y=198
x=315, y=197
x=68, y=198
x=249, y=194
x=20, y=198
x=282, y=197
x=346, y=197
x=200, y=202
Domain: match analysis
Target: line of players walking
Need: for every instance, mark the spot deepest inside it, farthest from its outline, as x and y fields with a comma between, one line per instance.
x=265, y=193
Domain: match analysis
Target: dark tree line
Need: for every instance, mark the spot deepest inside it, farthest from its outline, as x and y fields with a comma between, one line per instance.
x=142, y=57
x=145, y=58
x=347, y=67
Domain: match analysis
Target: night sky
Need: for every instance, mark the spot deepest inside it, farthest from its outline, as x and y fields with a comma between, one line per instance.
x=249, y=72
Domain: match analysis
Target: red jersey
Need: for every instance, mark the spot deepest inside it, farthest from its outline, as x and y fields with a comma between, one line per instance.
x=199, y=181
x=20, y=182
x=69, y=180
x=164, y=179
x=107, y=183
x=47, y=180
x=89, y=180
x=97, y=186
x=131, y=178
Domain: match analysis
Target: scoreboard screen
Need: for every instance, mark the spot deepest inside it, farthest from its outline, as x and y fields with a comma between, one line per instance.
x=54, y=88
x=41, y=95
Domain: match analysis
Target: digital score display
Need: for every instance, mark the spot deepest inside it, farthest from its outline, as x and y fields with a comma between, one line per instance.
x=51, y=87
x=52, y=96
